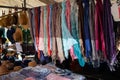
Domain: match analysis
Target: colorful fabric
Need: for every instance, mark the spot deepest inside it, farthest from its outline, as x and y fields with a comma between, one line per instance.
x=37, y=26
x=45, y=32
x=67, y=38
x=76, y=26
x=41, y=33
x=31, y=24
x=53, y=76
x=74, y=31
x=32, y=27
x=81, y=25
x=48, y=30
x=88, y=51
x=58, y=32
x=54, y=42
x=99, y=35
x=50, y=26
x=67, y=12
x=26, y=36
x=109, y=31
x=95, y=62
x=10, y=33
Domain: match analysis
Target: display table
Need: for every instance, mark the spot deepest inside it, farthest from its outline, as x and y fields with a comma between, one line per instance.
x=42, y=72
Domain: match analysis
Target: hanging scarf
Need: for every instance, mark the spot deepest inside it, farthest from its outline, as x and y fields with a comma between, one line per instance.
x=54, y=42
x=50, y=25
x=99, y=35
x=41, y=33
x=58, y=32
x=92, y=33
x=109, y=31
x=31, y=25
x=10, y=33
x=80, y=25
x=26, y=36
x=45, y=32
x=74, y=31
x=87, y=31
x=33, y=28
x=5, y=34
x=67, y=39
x=37, y=26
x=39, y=13
x=68, y=7
x=48, y=30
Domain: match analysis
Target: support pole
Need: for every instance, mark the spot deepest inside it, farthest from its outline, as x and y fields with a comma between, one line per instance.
x=24, y=4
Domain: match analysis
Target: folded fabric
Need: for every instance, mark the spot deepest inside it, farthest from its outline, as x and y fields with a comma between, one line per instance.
x=53, y=76
x=29, y=78
x=63, y=72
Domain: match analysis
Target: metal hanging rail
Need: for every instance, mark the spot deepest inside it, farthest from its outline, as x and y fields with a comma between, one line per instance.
x=23, y=8
x=9, y=14
x=11, y=7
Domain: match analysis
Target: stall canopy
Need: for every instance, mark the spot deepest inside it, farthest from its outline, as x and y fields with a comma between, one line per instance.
x=4, y=4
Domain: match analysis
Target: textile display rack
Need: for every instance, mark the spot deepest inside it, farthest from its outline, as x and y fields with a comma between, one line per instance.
x=82, y=36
